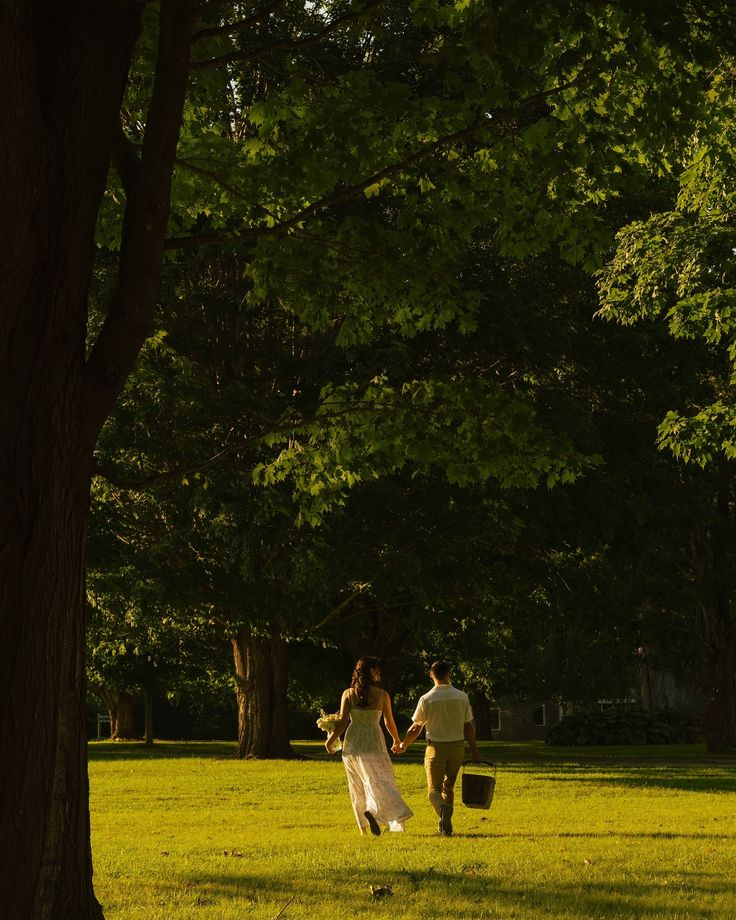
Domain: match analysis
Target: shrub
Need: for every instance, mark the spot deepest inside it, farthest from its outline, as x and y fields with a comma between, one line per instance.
x=617, y=726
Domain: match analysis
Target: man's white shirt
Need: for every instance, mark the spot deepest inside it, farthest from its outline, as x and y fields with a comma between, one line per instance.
x=444, y=711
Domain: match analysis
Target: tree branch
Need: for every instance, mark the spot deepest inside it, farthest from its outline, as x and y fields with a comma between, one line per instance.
x=125, y=159
x=290, y=425
x=293, y=44
x=336, y=611
x=361, y=611
x=130, y=316
x=232, y=28
x=207, y=173
x=350, y=191
x=157, y=478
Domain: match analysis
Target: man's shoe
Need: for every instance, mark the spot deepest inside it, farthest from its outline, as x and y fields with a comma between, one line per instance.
x=445, y=827
x=373, y=824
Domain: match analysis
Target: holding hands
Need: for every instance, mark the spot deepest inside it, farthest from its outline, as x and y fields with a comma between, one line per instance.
x=397, y=748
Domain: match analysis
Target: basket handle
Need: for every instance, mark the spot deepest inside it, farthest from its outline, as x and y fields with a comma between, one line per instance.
x=480, y=763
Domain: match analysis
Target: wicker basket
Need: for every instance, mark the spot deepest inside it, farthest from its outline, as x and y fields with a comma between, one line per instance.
x=478, y=788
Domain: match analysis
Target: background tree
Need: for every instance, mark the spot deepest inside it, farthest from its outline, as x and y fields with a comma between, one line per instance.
x=676, y=267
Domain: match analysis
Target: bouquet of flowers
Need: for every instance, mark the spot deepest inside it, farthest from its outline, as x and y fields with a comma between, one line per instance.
x=327, y=722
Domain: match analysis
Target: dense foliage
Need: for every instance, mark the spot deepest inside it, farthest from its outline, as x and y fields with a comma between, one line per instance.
x=622, y=726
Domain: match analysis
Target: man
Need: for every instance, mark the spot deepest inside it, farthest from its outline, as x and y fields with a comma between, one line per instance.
x=446, y=714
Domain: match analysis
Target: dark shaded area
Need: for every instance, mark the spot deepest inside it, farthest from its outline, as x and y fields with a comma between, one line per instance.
x=176, y=721
x=481, y=885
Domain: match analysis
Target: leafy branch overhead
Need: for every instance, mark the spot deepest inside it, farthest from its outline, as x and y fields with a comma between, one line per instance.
x=677, y=267
x=469, y=430
x=350, y=155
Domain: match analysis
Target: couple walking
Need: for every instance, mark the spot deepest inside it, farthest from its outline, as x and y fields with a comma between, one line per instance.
x=444, y=712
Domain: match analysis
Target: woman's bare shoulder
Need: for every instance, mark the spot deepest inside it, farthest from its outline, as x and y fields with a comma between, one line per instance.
x=377, y=696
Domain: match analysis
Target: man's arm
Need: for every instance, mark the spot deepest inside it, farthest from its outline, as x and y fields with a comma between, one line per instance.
x=469, y=732
x=412, y=734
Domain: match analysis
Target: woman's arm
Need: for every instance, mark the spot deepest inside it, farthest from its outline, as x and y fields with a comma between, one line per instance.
x=342, y=723
x=388, y=720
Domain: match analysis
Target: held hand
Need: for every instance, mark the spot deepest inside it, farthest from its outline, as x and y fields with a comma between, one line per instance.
x=398, y=748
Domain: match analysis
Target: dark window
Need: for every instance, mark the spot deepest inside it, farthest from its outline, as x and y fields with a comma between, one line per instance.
x=538, y=715
x=494, y=719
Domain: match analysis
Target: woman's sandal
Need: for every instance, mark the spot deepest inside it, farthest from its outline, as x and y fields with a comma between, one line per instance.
x=373, y=824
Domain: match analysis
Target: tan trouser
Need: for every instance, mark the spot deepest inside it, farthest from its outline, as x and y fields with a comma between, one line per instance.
x=442, y=762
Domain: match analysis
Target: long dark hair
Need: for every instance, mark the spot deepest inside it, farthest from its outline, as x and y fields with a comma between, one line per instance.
x=362, y=679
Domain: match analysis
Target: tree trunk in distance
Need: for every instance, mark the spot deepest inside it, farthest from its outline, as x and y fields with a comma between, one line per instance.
x=481, y=707
x=719, y=717
x=120, y=706
x=715, y=556
x=384, y=637
x=148, y=732
x=261, y=679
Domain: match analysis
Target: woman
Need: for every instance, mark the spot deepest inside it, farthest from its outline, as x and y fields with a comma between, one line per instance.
x=374, y=794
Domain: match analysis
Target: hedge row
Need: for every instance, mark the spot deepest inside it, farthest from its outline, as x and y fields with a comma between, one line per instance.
x=612, y=726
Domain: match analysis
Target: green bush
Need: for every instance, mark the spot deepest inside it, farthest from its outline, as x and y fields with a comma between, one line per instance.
x=618, y=726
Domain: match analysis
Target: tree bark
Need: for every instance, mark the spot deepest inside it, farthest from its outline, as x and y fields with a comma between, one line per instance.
x=261, y=681
x=63, y=69
x=47, y=873
x=481, y=706
x=148, y=719
x=120, y=707
x=719, y=719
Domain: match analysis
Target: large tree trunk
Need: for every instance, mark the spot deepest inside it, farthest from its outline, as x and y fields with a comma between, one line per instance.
x=63, y=68
x=261, y=691
x=47, y=870
x=120, y=706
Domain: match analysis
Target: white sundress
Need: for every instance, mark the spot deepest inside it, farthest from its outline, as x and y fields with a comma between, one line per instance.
x=371, y=779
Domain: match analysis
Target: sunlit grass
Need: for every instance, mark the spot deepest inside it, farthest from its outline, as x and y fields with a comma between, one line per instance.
x=188, y=832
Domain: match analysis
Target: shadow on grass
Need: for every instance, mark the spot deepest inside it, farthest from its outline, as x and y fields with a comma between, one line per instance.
x=690, y=776
x=584, y=835
x=467, y=892
x=161, y=750
x=679, y=778
x=214, y=750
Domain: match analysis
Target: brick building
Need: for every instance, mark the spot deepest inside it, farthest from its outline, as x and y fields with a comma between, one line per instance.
x=513, y=720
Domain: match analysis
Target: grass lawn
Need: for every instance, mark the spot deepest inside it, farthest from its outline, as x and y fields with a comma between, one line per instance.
x=185, y=831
